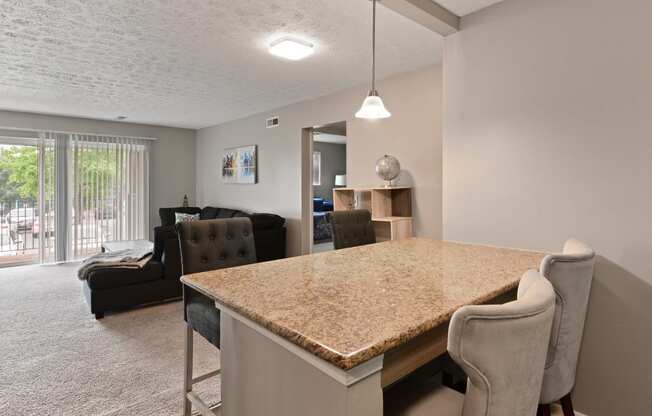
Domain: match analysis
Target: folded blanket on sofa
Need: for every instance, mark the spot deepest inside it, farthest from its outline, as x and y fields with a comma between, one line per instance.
x=125, y=259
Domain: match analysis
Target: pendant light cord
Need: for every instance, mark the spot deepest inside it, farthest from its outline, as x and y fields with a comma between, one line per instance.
x=373, y=50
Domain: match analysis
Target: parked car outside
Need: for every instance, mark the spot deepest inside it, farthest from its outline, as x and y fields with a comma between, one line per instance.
x=49, y=221
x=20, y=220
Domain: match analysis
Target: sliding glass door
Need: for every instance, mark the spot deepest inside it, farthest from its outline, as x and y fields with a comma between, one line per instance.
x=63, y=195
x=109, y=192
x=19, y=207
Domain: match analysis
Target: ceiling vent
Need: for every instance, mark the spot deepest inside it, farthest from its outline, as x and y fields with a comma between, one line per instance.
x=271, y=122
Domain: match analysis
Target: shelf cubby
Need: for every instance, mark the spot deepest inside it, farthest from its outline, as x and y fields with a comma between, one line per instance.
x=390, y=207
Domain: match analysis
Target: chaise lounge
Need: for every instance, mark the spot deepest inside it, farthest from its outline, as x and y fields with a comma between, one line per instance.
x=112, y=289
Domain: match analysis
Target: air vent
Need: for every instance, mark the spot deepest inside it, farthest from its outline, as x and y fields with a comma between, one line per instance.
x=271, y=122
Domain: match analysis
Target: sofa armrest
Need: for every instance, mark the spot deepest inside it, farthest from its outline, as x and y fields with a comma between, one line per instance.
x=263, y=221
x=172, y=258
x=270, y=243
x=161, y=234
x=166, y=250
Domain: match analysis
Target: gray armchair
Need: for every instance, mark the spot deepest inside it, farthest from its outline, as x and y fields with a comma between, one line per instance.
x=208, y=245
x=502, y=349
x=351, y=228
x=571, y=274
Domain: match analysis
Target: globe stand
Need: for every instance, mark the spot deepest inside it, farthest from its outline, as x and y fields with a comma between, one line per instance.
x=388, y=169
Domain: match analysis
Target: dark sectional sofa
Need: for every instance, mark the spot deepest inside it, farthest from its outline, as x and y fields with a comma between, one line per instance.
x=114, y=289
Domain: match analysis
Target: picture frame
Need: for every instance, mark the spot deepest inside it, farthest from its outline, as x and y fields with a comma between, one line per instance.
x=240, y=165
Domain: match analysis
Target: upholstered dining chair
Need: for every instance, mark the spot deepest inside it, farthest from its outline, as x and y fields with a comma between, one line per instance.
x=351, y=228
x=571, y=274
x=208, y=245
x=501, y=348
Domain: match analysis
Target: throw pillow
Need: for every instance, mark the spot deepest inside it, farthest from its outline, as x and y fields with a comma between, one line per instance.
x=181, y=217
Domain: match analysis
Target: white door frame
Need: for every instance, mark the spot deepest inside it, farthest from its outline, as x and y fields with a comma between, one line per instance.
x=306, y=190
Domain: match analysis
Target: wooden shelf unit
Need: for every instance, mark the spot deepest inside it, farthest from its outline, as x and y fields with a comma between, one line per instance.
x=391, y=208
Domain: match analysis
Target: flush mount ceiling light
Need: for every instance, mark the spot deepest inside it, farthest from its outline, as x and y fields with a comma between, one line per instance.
x=291, y=48
x=372, y=106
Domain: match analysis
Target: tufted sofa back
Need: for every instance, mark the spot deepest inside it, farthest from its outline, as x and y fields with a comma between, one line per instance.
x=215, y=244
x=351, y=228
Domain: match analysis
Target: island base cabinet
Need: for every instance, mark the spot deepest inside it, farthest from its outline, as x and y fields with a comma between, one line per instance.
x=263, y=377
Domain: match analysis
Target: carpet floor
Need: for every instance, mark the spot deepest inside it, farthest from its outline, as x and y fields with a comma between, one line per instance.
x=56, y=359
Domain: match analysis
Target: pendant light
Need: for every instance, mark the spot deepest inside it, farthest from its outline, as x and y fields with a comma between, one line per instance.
x=372, y=106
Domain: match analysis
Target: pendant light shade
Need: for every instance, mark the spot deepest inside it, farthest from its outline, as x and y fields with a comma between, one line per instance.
x=373, y=106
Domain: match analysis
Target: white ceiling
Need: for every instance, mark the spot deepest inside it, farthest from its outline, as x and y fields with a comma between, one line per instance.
x=192, y=63
x=464, y=7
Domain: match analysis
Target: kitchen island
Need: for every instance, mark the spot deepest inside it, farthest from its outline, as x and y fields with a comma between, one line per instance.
x=323, y=334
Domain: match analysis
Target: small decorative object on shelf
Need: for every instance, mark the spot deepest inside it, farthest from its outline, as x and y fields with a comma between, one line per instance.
x=388, y=168
x=185, y=201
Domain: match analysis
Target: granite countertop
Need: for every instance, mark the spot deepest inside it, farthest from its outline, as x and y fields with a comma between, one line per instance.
x=348, y=306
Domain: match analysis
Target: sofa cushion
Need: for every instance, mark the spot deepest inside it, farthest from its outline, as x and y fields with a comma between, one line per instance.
x=228, y=213
x=266, y=221
x=113, y=277
x=167, y=214
x=209, y=213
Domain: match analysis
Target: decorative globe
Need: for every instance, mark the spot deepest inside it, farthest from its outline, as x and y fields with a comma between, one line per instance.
x=388, y=168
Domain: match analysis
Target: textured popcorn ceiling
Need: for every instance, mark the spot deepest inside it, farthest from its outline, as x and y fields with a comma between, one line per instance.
x=464, y=7
x=191, y=63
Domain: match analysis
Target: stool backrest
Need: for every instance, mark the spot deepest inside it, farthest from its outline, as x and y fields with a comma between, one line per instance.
x=571, y=274
x=215, y=244
x=351, y=228
x=502, y=349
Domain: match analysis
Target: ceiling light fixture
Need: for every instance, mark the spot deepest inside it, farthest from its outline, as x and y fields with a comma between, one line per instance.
x=121, y=118
x=372, y=106
x=291, y=48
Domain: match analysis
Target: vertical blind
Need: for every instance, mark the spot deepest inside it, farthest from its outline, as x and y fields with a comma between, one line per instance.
x=92, y=189
x=49, y=145
x=108, y=191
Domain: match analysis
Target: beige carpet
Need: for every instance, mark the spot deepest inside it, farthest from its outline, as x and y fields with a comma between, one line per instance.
x=56, y=359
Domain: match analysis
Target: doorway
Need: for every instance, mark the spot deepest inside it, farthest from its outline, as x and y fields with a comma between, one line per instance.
x=327, y=160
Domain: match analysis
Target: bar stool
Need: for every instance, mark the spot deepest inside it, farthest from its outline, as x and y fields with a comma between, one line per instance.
x=351, y=228
x=502, y=349
x=571, y=274
x=208, y=245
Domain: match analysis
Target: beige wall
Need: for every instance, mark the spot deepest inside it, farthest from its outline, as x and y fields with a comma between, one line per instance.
x=172, y=160
x=412, y=134
x=548, y=135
